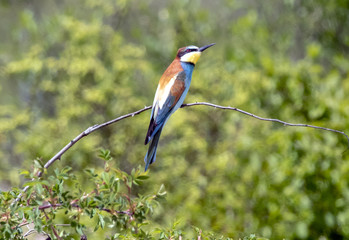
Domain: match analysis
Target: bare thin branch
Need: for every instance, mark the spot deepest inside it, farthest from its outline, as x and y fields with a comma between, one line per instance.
x=88, y=131
x=80, y=136
x=111, y=211
x=265, y=119
x=62, y=225
x=99, y=126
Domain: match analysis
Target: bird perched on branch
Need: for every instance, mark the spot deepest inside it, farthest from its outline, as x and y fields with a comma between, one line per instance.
x=172, y=89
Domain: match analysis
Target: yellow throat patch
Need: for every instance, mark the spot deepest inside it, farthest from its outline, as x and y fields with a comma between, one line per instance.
x=192, y=57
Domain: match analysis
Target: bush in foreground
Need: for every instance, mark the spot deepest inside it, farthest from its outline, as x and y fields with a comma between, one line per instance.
x=111, y=205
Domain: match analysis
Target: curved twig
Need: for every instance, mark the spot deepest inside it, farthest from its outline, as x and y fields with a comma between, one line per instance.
x=99, y=126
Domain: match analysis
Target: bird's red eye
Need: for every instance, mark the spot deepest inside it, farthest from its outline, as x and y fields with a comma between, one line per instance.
x=188, y=50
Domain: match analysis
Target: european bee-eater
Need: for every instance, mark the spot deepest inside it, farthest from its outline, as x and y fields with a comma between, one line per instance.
x=172, y=89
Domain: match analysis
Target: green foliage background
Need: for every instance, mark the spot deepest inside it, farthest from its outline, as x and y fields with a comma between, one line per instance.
x=66, y=65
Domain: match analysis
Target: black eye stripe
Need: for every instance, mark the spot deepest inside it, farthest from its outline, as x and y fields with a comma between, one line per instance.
x=185, y=51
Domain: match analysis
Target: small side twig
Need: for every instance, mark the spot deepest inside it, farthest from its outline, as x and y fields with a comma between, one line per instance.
x=31, y=231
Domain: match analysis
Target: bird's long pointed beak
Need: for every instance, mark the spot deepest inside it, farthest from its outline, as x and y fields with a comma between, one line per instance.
x=205, y=47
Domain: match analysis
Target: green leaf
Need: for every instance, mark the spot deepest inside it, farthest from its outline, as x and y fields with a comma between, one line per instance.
x=36, y=182
x=78, y=229
x=143, y=177
x=101, y=221
x=24, y=172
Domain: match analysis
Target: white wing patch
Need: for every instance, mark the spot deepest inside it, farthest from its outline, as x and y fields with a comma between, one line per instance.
x=166, y=92
x=162, y=95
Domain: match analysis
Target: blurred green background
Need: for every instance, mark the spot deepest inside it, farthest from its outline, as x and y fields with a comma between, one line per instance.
x=66, y=65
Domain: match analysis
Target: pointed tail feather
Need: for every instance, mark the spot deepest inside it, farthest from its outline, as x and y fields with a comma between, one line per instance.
x=151, y=129
x=151, y=154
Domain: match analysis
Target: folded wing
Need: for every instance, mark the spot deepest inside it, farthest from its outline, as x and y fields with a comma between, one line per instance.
x=166, y=97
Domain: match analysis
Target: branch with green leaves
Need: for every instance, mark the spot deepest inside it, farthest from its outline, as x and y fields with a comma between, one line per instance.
x=43, y=198
x=62, y=196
